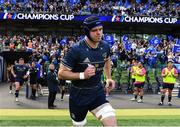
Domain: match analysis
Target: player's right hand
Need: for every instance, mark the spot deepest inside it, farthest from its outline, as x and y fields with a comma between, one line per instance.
x=90, y=71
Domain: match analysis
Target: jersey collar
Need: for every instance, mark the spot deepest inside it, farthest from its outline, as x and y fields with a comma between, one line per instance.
x=90, y=46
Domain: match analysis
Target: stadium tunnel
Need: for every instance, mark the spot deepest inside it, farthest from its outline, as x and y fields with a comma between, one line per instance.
x=8, y=57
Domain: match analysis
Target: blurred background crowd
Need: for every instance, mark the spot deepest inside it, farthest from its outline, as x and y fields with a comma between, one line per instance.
x=163, y=8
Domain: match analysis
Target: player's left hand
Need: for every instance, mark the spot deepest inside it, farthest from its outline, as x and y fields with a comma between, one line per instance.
x=110, y=84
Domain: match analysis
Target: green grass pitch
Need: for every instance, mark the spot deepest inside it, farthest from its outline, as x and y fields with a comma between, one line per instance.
x=60, y=117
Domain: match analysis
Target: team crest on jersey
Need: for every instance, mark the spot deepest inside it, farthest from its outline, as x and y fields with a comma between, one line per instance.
x=96, y=65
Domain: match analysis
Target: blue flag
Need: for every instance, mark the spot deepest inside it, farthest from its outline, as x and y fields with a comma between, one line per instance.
x=87, y=2
x=120, y=3
x=63, y=41
x=73, y=1
x=127, y=46
x=150, y=49
x=1, y=1
x=13, y=1
x=154, y=41
x=176, y=48
x=81, y=37
x=163, y=2
x=45, y=4
x=125, y=38
x=178, y=41
x=138, y=1
x=126, y=5
x=25, y=1
x=109, y=38
x=170, y=37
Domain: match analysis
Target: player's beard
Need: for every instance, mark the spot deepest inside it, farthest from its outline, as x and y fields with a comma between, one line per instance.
x=96, y=39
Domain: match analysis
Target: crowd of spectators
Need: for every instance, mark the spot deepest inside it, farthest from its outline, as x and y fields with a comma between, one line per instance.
x=143, y=51
x=98, y=7
x=48, y=49
x=51, y=47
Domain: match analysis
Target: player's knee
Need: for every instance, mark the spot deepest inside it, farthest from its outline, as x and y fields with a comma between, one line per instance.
x=79, y=123
x=105, y=112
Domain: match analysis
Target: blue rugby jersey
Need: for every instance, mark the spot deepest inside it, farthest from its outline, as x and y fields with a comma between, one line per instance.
x=80, y=55
x=20, y=70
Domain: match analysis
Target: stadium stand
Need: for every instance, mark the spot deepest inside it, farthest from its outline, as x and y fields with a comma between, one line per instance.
x=99, y=7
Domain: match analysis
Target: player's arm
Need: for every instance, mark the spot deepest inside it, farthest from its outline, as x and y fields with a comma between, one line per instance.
x=143, y=72
x=175, y=74
x=107, y=68
x=66, y=74
x=12, y=71
x=110, y=84
x=69, y=62
x=8, y=69
x=163, y=73
x=27, y=72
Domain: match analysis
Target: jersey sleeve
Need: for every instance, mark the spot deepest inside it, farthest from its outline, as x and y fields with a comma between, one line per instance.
x=108, y=51
x=70, y=58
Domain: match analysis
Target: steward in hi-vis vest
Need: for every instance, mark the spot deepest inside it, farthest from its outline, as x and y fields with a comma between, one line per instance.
x=169, y=75
x=140, y=74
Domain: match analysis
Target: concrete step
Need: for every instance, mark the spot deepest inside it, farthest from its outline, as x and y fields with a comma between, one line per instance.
x=175, y=92
x=45, y=91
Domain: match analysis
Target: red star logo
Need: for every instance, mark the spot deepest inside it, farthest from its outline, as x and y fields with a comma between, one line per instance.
x=9, y=16
x=117, y=19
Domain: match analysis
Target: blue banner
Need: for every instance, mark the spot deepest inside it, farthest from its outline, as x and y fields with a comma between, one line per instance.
x=140, y=19
x=65, y=17
x=155, y=41
x=176, y=48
